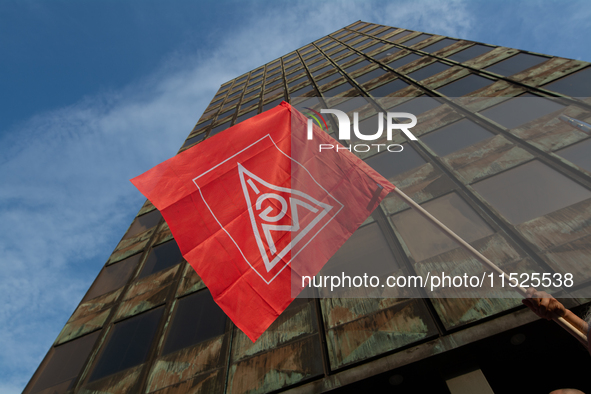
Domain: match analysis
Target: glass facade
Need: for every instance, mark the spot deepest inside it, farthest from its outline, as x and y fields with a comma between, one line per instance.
x=149, y=325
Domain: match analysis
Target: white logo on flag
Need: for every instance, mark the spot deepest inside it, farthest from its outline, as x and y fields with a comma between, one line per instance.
x=297, y=199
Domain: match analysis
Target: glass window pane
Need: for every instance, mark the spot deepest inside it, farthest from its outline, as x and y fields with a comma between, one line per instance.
x=245, y=116
x=370, y=75
x=302, y=91
x=161, y=257
x=417, y=39
x=515, y=64
x=385, y=32
x=387, y=52
x=272, y=104
x=128, y=344
x=328, y=79
x=347, y=59
x=388, y=88
x=425, y=240
x=197, y=318
x=466, y=85
x=428, y=71
x=322, y=70
x=63, y=364
x=417, y=105
x=337, y=90
x=390, y=164
x=530, y=190
x=470, y=53
x=361, y=43
x=579, y=154
x=219, y=128
x=399, y=35
x=439, y=45
x=456, y=136
x=249, y=103
x=297, y=81
x=112, y=277
x=520, y=110
x=373, y=47
x=574, y=85
x=143, y=223
x=194, y=139
x=404, y=61
x=357, y=66
x=250, y=94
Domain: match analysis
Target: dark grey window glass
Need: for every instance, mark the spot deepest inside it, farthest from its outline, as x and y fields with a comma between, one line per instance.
x=470, y=53
x=521, y=110
x=366, y=28
x=324, y=41
x=362, y=43
x=439, y=45
x=574, y=85
x=456, y=136
x=385, y=32
x=336, y=49
x=229, y=104
x=242, y=78
x=368, y=245
x=203, y=124
x=347, y=36
x=291, y=68
x=249, y=103
x=417, y=105
x=350, y=105
x=390, y=164
x=416, y=40
x=516, y=64
x=404, y=60
x=347, y=59
x=197, y=318
x=233, y=95
x=313, y=52
x=370, y=75
x=530, y=190
x=322, y=70
x=289, y=57
x=357, y=66
x=466, y=85
x=372, y=31
x=314, y=59
x=194, y=139
x=273, y=84
x=272, y=104
x=373, y=47
x=112, y=277
x=428, y=71
x=390, y=87
x=339, y=53
x=273, y=93
x=219, y=128
x=250, y=94
x=63, y=364
x=297, y=81
x=142, y=223
x=387, y=52
x=424, y=240
x=245, y=116
x=237, y=87
x=254, y=81
x=256, y=72
x=351, y=37
x=337, y=90
x=328, y=79
x=400, y=35
x=161, y=257
x=128, y=344
x=579, y=154
x=227, y=113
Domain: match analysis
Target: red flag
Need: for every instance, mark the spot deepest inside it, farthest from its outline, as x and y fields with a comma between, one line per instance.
x=258, y=206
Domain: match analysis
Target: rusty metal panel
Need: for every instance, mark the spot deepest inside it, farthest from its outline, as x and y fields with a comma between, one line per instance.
x=494, y=56
x=147, y=207
x=120, y=383
x=453, y=48
x=187, y=363
x=131, y=246
x=425, y=43
x=416, y=64
x=207, y=383
x=339, y=311
x=164, y=234
x=549, y=71
x=392, y=328
x=96, y=304
x=297, y=321
x=435, y=119
x=278, y=368
x=190, y=282
x=82, y=326
x=443, y=78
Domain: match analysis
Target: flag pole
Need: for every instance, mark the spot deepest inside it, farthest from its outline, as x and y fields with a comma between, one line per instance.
x=582, y=337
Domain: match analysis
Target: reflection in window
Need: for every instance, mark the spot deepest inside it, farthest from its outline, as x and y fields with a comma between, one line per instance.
x=347, y=59
x=112, y=277
x=439, y=45
x=456, y=136
x=521, y=110
x=357, y=66
x=398, y=36
x=404, y=61
x=250, y=94
x=417, y=39
x=328, y=79
x=322, y=70
x=194, y=139
x=247, y=104
x=219, y=128
x=361, y=43
x=530, y=190
x=338, y=90
x=579, y=154
x=371, y=75
x=128, y=344
x=575, y=85
x=470, y=53
x=365, y=252
x=373, y=47
x=197, y=318
x=302, y=91
x=295, y=82
x=162, y=256
x=465, y=85
x=516, y=64
x=388, y=88
x=428, y=71
x=245, y=116
x=391, y=164
x=62, y=365
x=425, y=240
x=143, y=223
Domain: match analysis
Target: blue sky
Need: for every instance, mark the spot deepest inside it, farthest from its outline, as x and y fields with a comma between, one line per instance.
x=94, y=93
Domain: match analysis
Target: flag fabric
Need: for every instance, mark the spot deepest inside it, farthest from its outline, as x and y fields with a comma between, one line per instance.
x=255, y=208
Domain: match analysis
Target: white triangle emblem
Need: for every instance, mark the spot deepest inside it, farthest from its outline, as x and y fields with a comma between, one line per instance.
x=276, y=212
